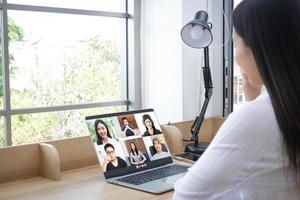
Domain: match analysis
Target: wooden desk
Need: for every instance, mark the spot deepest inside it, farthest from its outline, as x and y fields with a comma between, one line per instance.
x=73, y=162
x=86, y=183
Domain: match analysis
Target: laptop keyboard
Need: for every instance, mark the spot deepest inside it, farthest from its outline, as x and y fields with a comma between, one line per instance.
x=148, y=176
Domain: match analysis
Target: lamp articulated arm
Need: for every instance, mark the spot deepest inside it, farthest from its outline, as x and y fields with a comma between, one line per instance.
x=208, y=92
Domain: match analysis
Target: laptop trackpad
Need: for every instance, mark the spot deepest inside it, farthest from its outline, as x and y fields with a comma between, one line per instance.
x=162, y=185
x=172, y=179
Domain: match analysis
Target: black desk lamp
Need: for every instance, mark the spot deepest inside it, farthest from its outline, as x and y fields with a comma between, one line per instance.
x=197, y=34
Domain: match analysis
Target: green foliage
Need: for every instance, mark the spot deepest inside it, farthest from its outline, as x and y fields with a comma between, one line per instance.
x=91, y=73
x=91, y=129
x=15, y=33
x=110, y=125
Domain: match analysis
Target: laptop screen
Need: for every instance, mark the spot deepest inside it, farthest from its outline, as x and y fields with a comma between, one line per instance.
x=128, y=142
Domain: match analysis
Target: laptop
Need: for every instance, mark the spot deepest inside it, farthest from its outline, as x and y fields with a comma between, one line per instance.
x=132, y=151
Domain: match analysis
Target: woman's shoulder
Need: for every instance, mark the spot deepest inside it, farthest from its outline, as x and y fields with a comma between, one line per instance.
x=259, y=111
x=254, y=122
x=262, y=102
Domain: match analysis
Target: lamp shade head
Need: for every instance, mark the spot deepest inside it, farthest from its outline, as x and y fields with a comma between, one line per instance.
x=197, y=33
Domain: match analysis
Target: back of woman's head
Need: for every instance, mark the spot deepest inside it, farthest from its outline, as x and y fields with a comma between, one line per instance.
x=271, y=28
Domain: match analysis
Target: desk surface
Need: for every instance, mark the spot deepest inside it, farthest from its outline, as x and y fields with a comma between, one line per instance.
x=86, y=183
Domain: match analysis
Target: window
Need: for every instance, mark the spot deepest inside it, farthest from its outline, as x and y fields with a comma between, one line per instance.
x=238, y=88
x=53, y=125
x=233, y=80
x=101, y=5
x=229, y=81
x=63, y=61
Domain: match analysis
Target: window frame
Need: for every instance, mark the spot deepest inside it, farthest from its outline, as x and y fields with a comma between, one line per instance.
x=131, y=83
x=228, y=59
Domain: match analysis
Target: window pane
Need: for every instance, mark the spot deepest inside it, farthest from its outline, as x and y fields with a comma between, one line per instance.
x=2, y=142
x=103, y=5
x=238, y=91
x=39, y=127
x=63, y=59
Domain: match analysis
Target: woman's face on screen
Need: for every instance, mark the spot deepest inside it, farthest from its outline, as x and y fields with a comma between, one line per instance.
x=101, y=129
x=148, y=123
x=132, y=146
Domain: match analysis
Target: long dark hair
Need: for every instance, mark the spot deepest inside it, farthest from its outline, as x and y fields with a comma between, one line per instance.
x=136, y=151
x=271, y=28
x=99, y=139
x=145, y=117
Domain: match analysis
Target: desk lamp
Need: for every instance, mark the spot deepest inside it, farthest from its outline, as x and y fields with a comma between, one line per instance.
x=197, y=34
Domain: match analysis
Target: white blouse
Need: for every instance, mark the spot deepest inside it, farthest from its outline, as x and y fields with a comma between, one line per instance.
x=244, y=161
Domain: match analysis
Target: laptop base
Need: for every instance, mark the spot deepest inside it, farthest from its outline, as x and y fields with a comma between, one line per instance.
x=157, y=186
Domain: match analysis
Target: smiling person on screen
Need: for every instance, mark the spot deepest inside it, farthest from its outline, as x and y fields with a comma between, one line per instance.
x=158, y=149
x=104, y=137
x=149, y=125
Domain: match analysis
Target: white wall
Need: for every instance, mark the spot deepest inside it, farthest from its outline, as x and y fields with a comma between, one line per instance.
x=192, y=62
x=171, y=71
x=161, y=58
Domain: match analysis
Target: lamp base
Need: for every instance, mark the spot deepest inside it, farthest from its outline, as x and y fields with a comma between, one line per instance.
x=196, y=149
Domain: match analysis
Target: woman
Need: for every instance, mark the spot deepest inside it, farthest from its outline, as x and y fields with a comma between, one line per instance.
x=256, y=152
x=150, y=128
x=136, y=157
x=159, y=151
x=104, y=137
